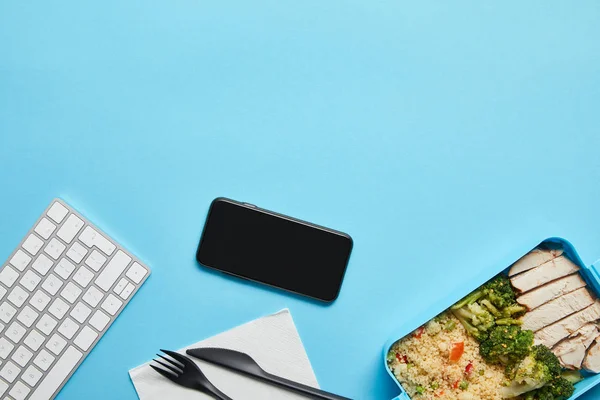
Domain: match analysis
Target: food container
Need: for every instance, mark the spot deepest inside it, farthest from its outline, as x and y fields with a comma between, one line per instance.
x=591, y=274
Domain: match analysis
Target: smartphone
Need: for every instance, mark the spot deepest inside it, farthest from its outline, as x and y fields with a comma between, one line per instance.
x=280, y=251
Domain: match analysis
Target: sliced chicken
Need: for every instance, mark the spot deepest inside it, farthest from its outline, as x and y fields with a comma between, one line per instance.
x=560, y=330
x=533, y=259
x=592, y=359
x=550, y=291
x=547, y=272
x=557, y=309
x=571, y=351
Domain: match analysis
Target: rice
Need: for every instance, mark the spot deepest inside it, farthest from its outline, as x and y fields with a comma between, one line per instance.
x=422, y=364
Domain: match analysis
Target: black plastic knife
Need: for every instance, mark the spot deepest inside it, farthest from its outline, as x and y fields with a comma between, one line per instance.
x=246, y=365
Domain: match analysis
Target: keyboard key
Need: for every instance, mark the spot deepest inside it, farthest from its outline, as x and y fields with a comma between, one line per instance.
x=52, y=284
x=111, y=305
x=44, y=360
x=33, y=244
x=27, y=316
x=70, y=228
x=10, y=372
x=19, y=391
x=68, y=328
x=39, y=300
x=93, y=296
x=52, y=381
x=18, y=296
x=95, y=261
x=85, y=338
x=90, y=238
x=7, y=312
x=34, y=340
x=80, y=312
x=57, y=212
x=20, y=260
x=2, y=292
x=113, y=270
x=99, y=320
x=70, y=292
x=22, y=356
x=136, y=273
x=64, y=268
x=8, y=276
x=15, y=332
x=45, y=228
x=127, y=291
x=30, y=280
x=58, y=308
x=54, y=248
x=5, y=347
x=83, y=276
x=120, y=286
x=3, y=387
x=76, y=252
x=46, y=324
x=56, y=344
x=42, y=264
x=32, y=375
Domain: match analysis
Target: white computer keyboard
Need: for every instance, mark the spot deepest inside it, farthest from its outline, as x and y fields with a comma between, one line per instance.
x=60, y=290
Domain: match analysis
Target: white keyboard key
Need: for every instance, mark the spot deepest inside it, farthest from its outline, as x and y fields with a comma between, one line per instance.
x=90, y=238
x=70, y=228
x=68, y=328
x=51, y=382
x=2, y=292
x=83, y=276
x=5, y=347
x=99, y=320
x=32, y=375
x=57, y=212
x=111, y=305
x=39, y=300
x=44, y=360
x=127, y=291
x=18, y=296
x=7, y=312
x=45, y=228
x=22, y=356
x=80, y=312
x=27, y=316
x=85, y=338
x=10, y=372
x=52, y=284
x=33, y=244
x=56, y=344
x=64, y=268
x=120, y=286
x=8, y=276
x=46, y=324
x=113, y=270
x=3, y=387
x=58, y=308
x=15, y=332
x=76, y=252
x=95, y=261
x=34, y=340
x=30, y=280
x=93, y=296
x=54, y=248
x=136, y=273
x=19, y=391
x=70, y=292
x=20, y=260
x=42, y=264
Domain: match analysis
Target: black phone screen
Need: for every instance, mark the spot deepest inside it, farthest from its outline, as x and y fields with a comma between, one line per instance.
x=256, y=244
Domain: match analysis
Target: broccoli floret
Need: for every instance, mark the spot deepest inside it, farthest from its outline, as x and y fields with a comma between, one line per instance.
x=506, y=344
x=499, y=292
x=469, y=299
x=557, y=389
x=572, y=376
x=472, y=330
x=513, y=310
x=544, y=355
x=509, y=321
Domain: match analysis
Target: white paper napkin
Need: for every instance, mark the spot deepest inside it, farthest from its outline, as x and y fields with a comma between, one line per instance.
x=272, y=341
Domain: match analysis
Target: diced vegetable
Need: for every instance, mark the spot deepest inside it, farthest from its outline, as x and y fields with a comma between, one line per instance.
x=469, y=368
x=463, y=385
x=457, y=351
x=419, y=332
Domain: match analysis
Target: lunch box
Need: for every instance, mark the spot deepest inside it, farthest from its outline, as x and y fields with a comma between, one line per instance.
x=591, y=274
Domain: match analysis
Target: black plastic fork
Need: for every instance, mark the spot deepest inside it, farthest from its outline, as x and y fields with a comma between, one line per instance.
x=183, y=371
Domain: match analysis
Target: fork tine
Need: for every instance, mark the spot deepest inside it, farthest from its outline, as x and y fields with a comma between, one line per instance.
x=183, y=360
x=164, y=373
x=172, y=361
x=169, y=367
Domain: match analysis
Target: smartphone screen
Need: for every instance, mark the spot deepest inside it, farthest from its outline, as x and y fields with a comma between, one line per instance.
x=263, y=246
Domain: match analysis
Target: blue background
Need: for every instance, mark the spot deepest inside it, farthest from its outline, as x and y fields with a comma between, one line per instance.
x=440, y=135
